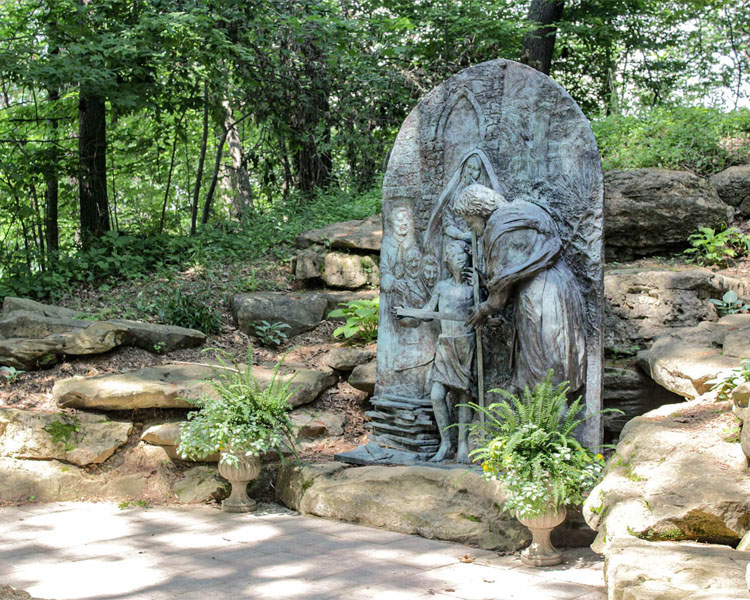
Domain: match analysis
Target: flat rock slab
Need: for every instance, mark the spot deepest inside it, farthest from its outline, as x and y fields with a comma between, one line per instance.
x=688, y=360
x=302, y=312
x=345, y=359
x=674, y=477
x=641, y=570
x=366, y=234
x=653, y=211
x=11, y=304
x=173, y=385
x=30, y=340
x=81, y=439
x=447, y=504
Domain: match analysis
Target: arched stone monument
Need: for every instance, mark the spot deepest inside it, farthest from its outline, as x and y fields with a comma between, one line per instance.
x=508, y=129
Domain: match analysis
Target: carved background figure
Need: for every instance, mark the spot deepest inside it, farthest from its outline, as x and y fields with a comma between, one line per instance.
x=512, y=129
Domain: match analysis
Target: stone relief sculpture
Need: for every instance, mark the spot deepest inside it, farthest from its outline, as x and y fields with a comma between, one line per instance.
x=502, y=149
x=525, y=266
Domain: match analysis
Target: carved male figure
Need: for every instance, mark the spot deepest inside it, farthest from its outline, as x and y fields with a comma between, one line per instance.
x=524, y=263
x=452, y=368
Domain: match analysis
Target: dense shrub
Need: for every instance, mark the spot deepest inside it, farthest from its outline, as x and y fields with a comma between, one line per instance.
x=702, y=140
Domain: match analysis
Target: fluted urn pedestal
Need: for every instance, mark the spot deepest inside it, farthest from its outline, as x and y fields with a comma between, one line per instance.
x=239, y=475
x=541, y=552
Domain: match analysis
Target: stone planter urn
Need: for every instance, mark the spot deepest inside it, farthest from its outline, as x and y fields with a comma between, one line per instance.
x=541, y=552
x=239, y=475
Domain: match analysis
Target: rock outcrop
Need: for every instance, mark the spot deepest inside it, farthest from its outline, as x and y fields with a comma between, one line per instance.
x=447, y=504
x=733, y=187
x=677, y=474
x=689, y=360
x=34, y=335
x=641, y=303
x=363, y=377
x=653, y=211
x=366, y=234
x=640, y=570
x=79, y=438
x=174, y=385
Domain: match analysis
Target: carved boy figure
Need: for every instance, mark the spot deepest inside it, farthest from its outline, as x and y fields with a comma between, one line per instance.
x=524, y=262
x=452, y=368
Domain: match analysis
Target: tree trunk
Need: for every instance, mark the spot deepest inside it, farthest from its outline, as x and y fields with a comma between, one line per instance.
x=539, y=44
x=201, y=162
x=242, y=191
x=52, y=189
x=92, y=179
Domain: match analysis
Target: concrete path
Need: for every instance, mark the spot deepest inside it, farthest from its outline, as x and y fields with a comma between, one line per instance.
x=85, y=551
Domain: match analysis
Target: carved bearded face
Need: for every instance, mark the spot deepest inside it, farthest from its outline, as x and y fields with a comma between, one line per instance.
x=400, y=222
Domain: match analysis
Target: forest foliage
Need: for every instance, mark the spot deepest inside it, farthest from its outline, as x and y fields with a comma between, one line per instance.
x=144, y=134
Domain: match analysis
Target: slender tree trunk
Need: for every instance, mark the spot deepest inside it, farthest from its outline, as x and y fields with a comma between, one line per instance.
x=539, y=44
x=52, y=189
x=169, y=174
x=201, y=161
x=242, y=190
x=92, y=179
x=214, y=178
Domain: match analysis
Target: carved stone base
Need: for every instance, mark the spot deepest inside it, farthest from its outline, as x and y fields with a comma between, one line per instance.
x=239, y=475
x=541, y=552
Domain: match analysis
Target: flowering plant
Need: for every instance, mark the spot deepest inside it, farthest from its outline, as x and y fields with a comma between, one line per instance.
x=240, y=417
x=528, y=444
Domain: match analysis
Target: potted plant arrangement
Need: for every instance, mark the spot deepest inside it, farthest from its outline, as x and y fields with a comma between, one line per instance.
x=528, y=444
x=241, y=420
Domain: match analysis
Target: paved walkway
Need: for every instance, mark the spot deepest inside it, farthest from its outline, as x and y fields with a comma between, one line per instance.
x=84, y=551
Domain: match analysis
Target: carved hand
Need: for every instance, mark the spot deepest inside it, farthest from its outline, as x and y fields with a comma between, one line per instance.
x=479, y=315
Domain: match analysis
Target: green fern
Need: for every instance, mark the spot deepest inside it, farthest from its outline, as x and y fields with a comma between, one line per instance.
x=529, y=443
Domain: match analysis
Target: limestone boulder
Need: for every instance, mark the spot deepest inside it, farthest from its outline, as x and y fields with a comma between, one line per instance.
x=643, y=303
x=200, y=485
x=308, y=264
x=366, y=234
x=157, y=338
x=363, y=377
x=312, y=424
x=174, y=385
x=25, y=324
x=653, y=211
x=334, y=298
x=346, y=359
x=641, y=570
x=350, y=271
x=164, y=386
x=52, y=481
x=302, y=312
x=674, y=476
x=444, y=504
x=11, y=304
x=733, y=187
x=689, y=360
x=80, y=438
x=28, y=355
